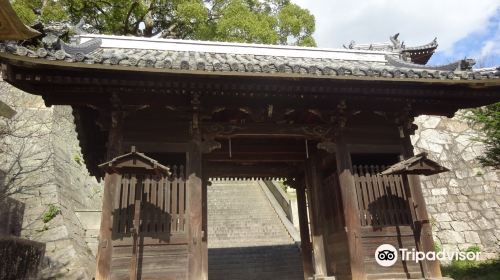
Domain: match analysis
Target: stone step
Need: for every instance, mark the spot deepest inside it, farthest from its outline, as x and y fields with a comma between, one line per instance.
x=246, y=238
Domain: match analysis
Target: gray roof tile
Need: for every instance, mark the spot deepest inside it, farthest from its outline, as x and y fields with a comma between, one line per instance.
x=91, y=52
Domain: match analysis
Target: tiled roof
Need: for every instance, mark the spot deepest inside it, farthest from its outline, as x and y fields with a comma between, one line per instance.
x=226, y=57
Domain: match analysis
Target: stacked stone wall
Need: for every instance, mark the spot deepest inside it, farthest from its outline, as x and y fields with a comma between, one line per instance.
x=54, y=175
x=463, y=203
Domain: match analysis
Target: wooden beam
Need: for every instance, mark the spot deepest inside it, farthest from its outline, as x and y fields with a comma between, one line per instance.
x=351, y=211
x=156, y=147
x=313, y=186
x=256, y=158
x=231, y=170
x=270, y=129
x=374, y=148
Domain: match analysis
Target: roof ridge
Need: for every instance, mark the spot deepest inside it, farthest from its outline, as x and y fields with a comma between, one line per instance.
x=128, y=42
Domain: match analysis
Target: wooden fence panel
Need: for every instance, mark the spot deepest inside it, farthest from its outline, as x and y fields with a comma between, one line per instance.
x=163, y=205
x=161, y=226
x=382, y=199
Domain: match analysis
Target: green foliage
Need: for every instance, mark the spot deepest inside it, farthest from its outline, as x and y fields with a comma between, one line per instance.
x=294, y=22
x=240, y=22
x=49, y=10
x=438, y=247
x=488, y=119
x=474, y=249
x=51, y=213
x=254, y=21
x=471, y=270
x=24, y=9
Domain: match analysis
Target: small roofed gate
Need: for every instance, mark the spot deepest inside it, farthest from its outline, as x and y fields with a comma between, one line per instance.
x=144, y=226
x=385, y=213
x=364, y=207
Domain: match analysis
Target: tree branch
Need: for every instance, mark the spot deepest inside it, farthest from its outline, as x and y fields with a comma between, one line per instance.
x=127, y=18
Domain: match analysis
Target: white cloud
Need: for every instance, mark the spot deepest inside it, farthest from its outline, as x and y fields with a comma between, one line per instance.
x=418, y=22
x=491, y=48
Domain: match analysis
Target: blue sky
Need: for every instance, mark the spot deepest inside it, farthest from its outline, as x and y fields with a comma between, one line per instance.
x=483, y=45
x=464, y=28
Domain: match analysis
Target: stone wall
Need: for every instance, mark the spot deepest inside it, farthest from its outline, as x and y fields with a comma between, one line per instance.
x=42, y=149
x=463, y=203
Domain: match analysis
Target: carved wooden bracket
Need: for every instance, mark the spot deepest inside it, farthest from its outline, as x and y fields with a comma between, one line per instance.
x=405, y=119
x=210, y=131
x=328, y=146
x=210, y=145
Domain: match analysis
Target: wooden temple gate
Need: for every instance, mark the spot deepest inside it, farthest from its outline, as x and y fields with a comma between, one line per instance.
x=328, y=120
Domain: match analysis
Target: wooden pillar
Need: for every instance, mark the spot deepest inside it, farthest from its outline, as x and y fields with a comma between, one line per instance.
x=137, y=245
x=424, y=238
x=305, y=239
x=313, y=185
x=350, y=209
x=104, y=251
x=195, y=195
x=115, y=135
x=204, y=241
x=111, y=182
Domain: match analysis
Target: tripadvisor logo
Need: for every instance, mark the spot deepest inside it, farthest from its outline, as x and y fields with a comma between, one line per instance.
x=387, y=255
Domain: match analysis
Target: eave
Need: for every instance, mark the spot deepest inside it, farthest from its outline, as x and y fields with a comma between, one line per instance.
x=76, y=83
x=11, y=27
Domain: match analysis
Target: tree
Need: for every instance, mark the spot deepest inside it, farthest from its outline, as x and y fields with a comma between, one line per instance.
x=254, y=21
x=488, y=118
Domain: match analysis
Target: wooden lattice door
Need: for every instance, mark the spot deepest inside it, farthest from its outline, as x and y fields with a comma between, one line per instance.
x=144, y=228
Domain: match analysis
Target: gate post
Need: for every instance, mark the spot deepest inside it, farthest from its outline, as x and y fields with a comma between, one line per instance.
x=105, y=245
x=195, y=197
x=111, y=180
x=316, y=207
x=305, y=239
x=204, y=241
x=351, y=211
x=423, y=230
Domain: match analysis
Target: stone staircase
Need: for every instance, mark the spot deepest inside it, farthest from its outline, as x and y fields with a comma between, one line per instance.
x=246, y=238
